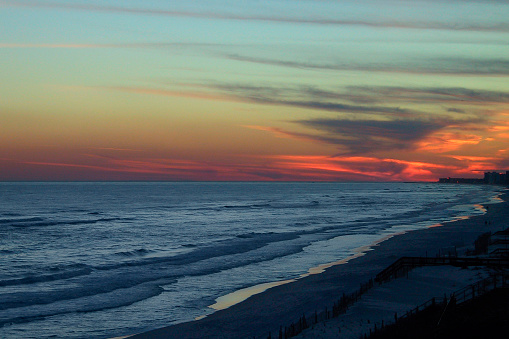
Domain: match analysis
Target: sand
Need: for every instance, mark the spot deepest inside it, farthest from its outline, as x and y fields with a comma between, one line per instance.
x=380, y=304
x=281, y=305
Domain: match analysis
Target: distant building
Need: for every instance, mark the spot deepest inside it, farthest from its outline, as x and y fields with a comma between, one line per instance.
x=490, y=178
x=496, y=178
x=461, y=181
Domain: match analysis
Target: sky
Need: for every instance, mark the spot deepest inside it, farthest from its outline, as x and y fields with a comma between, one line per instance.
x=274, y=90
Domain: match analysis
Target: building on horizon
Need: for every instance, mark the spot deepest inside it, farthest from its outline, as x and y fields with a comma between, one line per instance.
x=450, y=180
x=490, y=178
x=496, y=178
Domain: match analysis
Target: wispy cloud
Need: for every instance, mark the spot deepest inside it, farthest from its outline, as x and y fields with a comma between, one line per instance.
x=238, y=94
x=309, y=19
x=453, y=102
x=168, y=169
x=281, y=133
x=276, y=167
x=432, y=66
x=114, y=149
x=171, y=93
x=106, y=168
x=362, y=168
x=432, y=94
x=447, y=141
x=371, y=136
x=360, y=137
x=344, y=108
x=367, y=94
x=360, y=129
x=312, y=98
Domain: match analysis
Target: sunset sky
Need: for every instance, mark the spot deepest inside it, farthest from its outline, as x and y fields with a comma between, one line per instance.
x=369, y=90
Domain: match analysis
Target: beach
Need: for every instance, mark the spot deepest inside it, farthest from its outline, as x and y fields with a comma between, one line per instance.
x=79, y=264
x=264, y=313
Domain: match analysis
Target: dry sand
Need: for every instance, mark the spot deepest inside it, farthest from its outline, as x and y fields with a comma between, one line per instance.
x=281, y=305
x=379, y=305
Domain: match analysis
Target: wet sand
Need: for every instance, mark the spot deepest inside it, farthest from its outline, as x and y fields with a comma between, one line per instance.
x=265, y=312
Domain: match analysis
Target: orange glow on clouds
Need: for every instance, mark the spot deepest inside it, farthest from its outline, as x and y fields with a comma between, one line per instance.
x=115, y=92
x=358, y=168
x=447, y=141
x=284, y=167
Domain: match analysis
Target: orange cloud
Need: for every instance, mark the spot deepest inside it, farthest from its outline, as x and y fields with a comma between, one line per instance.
x=443, y=142
x=499, y=128
x=472, y=158
x=473, y=164
x=244, y=168
x=362, y=168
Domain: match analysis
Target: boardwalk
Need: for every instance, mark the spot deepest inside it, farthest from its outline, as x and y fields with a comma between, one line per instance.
x=404, y=264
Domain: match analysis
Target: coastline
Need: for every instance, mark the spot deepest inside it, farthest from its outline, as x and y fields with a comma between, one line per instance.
x=280, y=305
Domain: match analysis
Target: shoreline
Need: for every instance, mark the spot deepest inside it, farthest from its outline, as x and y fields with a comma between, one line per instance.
x=236, y=297
x=282, y=302
x=241, y=295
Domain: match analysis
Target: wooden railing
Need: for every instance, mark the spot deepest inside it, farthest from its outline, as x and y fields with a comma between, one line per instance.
x=470, y=292
x=404, y=264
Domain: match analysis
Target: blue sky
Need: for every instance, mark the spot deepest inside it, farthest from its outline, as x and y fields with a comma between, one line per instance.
x=253, y=90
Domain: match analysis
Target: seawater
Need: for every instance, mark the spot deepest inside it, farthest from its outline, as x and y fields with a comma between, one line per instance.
x=98, y=260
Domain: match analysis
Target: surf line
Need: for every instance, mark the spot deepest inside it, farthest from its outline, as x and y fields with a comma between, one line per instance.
x=238, y=296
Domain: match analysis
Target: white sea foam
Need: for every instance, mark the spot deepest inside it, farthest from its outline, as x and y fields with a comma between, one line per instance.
x=99, y=259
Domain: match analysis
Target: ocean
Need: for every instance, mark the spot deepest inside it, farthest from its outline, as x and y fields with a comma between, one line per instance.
x=99, y=260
